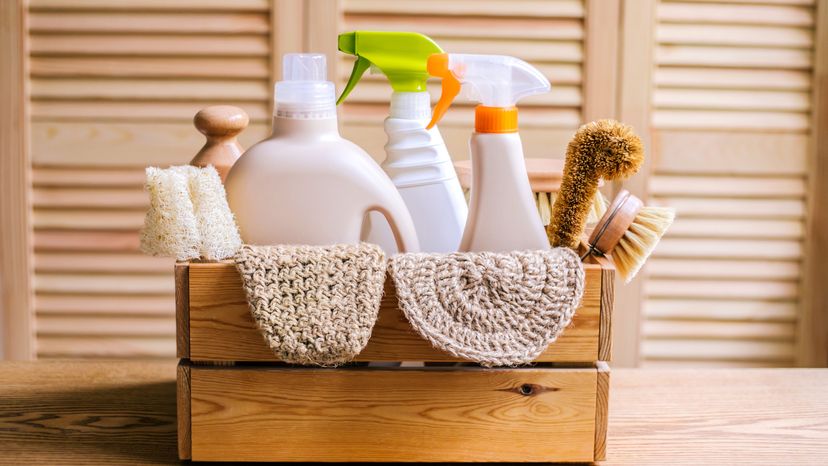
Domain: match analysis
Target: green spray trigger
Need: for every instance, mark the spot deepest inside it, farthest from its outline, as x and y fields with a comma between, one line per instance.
x=401, y=56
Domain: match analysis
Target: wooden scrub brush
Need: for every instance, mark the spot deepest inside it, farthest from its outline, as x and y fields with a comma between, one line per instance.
x=602, y=149
x=629, y=231
x=545, y=177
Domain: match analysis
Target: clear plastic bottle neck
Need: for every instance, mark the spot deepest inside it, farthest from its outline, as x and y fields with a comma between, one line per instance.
x=304, y=93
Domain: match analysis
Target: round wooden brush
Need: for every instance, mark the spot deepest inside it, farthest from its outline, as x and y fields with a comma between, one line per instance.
x=629, y=231
x=545, y=177
x=602, y=149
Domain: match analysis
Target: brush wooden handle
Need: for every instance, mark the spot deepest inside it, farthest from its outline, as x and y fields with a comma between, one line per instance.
x=615, y=222
x=221, y=124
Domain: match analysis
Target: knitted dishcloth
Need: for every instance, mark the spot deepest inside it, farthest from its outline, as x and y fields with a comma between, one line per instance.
x=494, y=309
x=313, y=304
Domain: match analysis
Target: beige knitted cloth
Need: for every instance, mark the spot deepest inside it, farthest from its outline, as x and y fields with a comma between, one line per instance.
x=313, y=304
x=490, y=308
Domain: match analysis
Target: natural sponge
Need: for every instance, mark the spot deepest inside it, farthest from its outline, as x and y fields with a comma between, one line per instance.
x=188, y=216
x=170, y=226
x=220, y=237
x=601, y=149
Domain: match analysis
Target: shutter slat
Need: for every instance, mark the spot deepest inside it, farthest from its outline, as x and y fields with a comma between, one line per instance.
x=149, y=67
x=725, y=269
x=169, y=23
x=749, y=310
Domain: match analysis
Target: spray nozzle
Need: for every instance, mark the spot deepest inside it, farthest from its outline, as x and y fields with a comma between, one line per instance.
x=496, y=81
x=401, y=56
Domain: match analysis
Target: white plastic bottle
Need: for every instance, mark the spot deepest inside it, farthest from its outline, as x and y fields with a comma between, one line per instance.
x=305, y=184
x=416, y=158
x=420, y=167
x=502, y=212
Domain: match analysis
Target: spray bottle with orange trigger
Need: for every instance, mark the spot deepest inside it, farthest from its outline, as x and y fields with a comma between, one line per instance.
x=502, y=212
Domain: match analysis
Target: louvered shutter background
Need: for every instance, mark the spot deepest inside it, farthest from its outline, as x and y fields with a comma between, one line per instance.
x=114, y=87
x=731, y=119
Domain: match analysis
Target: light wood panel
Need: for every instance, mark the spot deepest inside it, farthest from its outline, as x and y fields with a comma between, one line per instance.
x=732, y=107
x=114, y=87
x=634, y=108
x=221, y=328
x=16, y=322
x=813, y=329
x=465, y=414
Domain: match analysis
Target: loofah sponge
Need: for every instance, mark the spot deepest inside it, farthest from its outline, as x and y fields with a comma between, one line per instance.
x=170, y=227
x=602, y=149
x=220, y=237
x=188, y=216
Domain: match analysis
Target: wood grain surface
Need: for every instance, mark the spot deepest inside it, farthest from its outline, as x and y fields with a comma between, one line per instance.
x=221, y=328
x=379, y=414
x=62, y=412
x=124, y=413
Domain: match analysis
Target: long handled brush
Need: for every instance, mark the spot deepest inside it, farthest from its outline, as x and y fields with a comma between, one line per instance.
x=601, y=149
x=629, y=231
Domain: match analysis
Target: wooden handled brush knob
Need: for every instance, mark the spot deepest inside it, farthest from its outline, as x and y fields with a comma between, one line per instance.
x=615, y=222
x=220, y=124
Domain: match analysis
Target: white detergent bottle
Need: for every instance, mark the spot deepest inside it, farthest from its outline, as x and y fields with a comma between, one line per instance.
x=305, y=184
x=416, y=158
x=502, y=212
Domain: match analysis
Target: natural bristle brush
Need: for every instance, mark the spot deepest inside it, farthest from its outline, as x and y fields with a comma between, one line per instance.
x=602, y=149
x=629, y=231
x=545, y=179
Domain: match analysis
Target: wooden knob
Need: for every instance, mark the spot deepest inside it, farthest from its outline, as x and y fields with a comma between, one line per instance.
x=220, y=124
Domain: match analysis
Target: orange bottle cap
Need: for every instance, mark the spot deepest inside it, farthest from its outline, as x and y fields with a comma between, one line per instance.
x=495, y=119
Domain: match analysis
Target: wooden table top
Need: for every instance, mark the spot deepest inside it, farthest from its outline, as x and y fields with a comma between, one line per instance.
x=124, y=413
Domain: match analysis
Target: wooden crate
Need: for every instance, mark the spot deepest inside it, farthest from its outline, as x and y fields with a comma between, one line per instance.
x=237, y=402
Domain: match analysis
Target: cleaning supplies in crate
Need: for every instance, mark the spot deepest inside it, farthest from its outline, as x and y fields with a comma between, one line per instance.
x=601, y=149
x=188, y=215
x=502, y=213
x=305, y=184
x=416, y=158
x=629, y=231
x=314, y=304
x=492, y=308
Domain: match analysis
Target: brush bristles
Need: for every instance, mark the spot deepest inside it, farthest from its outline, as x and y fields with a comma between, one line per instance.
x=641, y=239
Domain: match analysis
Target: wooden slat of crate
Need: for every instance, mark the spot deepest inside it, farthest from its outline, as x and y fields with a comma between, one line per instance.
x=260, y=413
x=220, y=327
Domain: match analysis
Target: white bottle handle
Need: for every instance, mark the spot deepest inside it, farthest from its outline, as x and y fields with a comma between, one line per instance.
x=402, y=227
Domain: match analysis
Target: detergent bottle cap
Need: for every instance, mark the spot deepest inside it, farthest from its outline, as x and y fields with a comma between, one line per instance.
x=400, y=56
x=498, y=82
x=304, y=91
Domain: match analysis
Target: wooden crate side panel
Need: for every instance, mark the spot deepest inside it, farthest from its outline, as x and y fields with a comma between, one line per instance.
x=471, y=414
x=601, y=410
x=183, y=401
x=222, y=329
x=182, y=310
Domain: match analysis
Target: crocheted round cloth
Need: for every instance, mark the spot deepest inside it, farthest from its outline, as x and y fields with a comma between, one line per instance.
x=494, y=309
x=314, y=304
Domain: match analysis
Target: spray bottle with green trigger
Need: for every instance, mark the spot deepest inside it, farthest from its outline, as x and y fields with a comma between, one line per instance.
x=502, y=212
x=417, y=160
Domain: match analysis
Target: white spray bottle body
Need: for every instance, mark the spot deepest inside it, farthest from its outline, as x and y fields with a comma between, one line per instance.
x=419, y=164
x=503, y=216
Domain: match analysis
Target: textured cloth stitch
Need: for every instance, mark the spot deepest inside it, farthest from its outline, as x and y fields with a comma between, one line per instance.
x=491, y=308
x=313, y=304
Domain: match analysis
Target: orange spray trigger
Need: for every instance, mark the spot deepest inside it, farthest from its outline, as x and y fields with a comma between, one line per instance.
x=438, y=66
